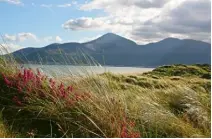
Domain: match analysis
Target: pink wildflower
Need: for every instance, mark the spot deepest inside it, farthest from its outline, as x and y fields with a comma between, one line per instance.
x=6, y=80
x=124, y=131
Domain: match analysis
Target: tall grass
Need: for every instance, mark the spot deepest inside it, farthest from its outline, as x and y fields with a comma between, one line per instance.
x=106, y=105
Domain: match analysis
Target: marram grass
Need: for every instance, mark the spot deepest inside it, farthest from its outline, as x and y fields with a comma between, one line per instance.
x=154, y=104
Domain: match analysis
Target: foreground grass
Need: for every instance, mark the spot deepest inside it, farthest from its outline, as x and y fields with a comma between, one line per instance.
x=4, y=133
x=170, y=101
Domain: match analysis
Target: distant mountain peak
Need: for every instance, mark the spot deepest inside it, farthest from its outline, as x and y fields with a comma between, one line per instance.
x=109, y=40
x=111, y=37
x=110, y=34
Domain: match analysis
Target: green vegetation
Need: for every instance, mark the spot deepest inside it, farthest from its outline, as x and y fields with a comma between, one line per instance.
x=197, y=70
x=170, y=101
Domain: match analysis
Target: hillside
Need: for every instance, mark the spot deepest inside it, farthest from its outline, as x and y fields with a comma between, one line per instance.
x=171, y=101
x=112, y=49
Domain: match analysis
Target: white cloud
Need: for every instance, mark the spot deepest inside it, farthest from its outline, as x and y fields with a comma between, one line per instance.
x=148, y=20
x=22, y=40
x=20, y=37
x=9, y=48
x=51, y=39
x=65, y=5
x=9, y=37
x=83, y=23
x=30, y=37
x=16, y=2
x=109, y=24
x=187, y=19
x=25, y=36
x=58, y=39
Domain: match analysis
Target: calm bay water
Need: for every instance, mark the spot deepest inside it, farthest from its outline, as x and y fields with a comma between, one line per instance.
x=65, y=70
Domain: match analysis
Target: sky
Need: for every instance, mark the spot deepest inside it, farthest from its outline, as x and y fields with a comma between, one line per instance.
x=37, y=23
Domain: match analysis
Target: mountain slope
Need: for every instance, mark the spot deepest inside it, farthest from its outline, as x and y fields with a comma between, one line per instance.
x=112, y=49
x=110, y=42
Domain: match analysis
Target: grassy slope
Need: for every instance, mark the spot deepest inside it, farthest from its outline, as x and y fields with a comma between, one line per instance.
x=176, y=96
x=170, y=101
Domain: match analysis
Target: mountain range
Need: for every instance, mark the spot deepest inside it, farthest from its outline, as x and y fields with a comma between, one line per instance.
x=114, y=50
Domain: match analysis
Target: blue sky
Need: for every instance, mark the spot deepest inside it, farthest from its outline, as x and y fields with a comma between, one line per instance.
x=36, y=23
x=44, y=19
